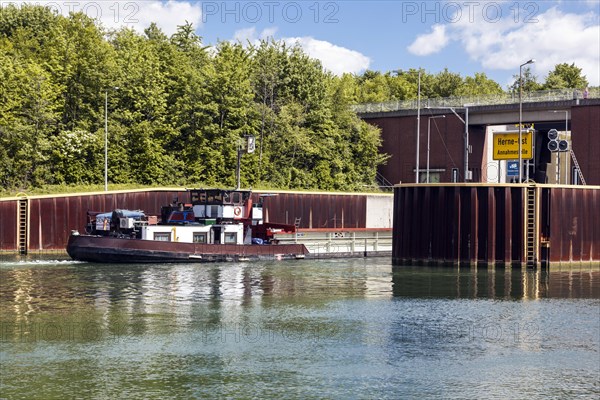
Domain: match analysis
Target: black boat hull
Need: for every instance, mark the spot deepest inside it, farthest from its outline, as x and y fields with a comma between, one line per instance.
x=105, y=249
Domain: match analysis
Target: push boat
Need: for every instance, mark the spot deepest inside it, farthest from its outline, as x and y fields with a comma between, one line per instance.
x=216, y=225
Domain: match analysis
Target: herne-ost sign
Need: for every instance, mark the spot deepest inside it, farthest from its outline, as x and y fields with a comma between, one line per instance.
x=506, y=145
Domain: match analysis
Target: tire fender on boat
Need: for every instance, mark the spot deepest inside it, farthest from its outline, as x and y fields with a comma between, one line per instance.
x=237, y=211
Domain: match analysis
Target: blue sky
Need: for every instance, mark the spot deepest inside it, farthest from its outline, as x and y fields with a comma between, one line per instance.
x=467, y=36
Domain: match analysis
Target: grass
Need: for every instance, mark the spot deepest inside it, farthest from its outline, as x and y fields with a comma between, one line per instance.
x=67, y=189
x=63, y=189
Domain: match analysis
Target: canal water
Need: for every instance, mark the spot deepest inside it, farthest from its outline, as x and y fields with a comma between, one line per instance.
x=307, y=329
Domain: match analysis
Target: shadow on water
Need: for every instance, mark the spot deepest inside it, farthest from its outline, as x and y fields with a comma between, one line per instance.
x=502, y=284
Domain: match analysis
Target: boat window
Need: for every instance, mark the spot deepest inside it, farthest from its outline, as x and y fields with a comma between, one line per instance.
x=230, y=237
x=237, y=197
x=199, y=237
x=194, y=197
x=226, y=198
x=162, y=236
x=202, y=196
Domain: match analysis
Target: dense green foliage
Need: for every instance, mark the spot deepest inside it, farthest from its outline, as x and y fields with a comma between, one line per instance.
x=373, y=86
x=176, y=110
x=563, y=76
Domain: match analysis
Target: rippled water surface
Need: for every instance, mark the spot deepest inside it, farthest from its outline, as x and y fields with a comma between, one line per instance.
x=355, y=328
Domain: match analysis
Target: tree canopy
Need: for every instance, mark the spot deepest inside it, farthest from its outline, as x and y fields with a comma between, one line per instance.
x=177, y=111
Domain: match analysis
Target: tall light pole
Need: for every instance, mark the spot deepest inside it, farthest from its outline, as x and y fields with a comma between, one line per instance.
x=418, y=127
x=428, y=139
x=106, y=137
x=558, y=152
x=466, y=134
x=521, y=119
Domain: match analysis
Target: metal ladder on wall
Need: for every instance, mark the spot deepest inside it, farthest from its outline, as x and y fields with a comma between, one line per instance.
x=531, y=234
x=22, y=230
x=577, y=166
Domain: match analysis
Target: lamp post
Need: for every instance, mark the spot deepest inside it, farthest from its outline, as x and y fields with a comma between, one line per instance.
x=521, y=119
x=465, y=135
x=418, y=127
x=106, y=137
x=428, y=139
x=558, y=152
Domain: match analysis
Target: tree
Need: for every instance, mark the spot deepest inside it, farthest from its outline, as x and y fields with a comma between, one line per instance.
x=188, y=70
x=230, y=91
x=446, y=84
x=180, y=112
x=269, y=61
x=28, y=114
x=529, y=84
x=479, y=84
x=565, y=76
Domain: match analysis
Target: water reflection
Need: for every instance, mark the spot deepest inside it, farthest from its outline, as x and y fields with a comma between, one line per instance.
x=301, y=329
x=95, y=299
x=504, y=284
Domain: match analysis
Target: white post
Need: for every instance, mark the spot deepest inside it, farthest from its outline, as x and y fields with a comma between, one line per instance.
x=521, y=121
x=466, y=122
x=418, y=127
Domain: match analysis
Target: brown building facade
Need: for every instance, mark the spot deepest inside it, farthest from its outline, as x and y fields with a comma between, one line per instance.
x=447, y=142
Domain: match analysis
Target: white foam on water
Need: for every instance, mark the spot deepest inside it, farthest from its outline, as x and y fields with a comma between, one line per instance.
x=42, y=262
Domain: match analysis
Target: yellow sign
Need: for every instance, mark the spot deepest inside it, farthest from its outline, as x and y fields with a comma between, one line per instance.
x=506, y=146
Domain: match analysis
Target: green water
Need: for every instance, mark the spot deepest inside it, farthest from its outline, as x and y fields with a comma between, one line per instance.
x=305, y=329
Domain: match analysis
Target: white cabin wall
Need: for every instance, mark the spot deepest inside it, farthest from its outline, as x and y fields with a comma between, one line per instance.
x=380, y=211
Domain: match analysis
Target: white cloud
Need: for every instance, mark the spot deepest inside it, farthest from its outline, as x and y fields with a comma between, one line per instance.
x=551, y=38
x=249, y=35
x=430, y=43
x=134, y=14
x=167, y=15
x=334, y=58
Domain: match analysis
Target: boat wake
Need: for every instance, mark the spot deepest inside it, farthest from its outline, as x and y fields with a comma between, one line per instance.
x=31, y=263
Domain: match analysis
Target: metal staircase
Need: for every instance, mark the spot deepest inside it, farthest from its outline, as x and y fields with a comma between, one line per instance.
x=531, y=231
x=383, y=183
x=577, y=166
x=22, y=219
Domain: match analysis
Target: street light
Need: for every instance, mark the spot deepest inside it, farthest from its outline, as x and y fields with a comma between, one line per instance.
x=465, y=121
x=106, y=137
x=521, y=120
x=418, y=127
x=558, y=152
x=428, y=134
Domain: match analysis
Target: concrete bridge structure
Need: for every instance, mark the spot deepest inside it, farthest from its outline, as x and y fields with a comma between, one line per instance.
x=454, y=150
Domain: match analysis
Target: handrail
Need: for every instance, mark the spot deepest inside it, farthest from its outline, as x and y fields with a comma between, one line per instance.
x=480, y=100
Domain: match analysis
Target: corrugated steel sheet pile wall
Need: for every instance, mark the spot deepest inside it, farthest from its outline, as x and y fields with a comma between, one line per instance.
x=317, y=210
x=486, y=225
x=574, y=224
x=50, y=219
x=8, y=225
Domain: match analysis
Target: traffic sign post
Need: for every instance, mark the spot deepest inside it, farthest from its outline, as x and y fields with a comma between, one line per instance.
x=556, y=145
x=506, y=145
x=512, y=168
